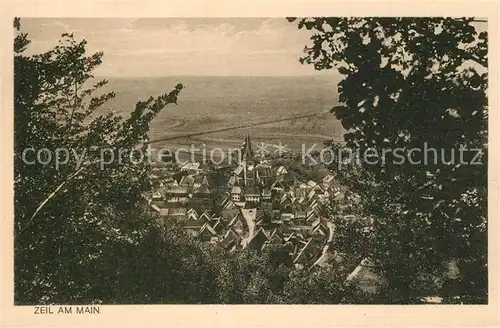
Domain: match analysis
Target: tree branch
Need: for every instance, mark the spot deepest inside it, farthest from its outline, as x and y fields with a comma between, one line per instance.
x=53, y=194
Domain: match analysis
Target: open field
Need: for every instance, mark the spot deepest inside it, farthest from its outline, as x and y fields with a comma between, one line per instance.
x=212, y=103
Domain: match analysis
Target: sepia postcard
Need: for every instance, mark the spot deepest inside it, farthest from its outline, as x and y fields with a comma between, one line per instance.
x=249, y=164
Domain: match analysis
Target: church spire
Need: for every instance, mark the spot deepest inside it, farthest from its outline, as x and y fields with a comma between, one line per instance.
x=247, y=154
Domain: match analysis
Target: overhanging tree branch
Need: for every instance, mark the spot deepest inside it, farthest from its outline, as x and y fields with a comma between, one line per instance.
x=54, y=193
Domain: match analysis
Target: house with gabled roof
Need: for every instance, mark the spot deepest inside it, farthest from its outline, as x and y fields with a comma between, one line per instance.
x=261, y=215
x=286, y=203
x=192, y=227
x=313, y=203
x=300, y=189
x=187, y=181
x=207, y=233
x=312, y=217
x=323, y=198
x=157, y=196
x=239, y=225
x=219, y=226
x=176, y=196
x=303, y=230
x=311, y=194
x=201, y=198
x=281, y=170
x=177, y=213
x=192, y=214
x=206, y=215
x=162, y=211
x=215, y=218
x=308, y=253
x=311, y=184
x=278, y=185
x=158, y=193
x=231, y=239
x=320, y=190
x=202, y=191
x=191, y=167
x=171, y=181
x=229, y=214
x=227, y=204
x=258, y=240
x=199, y=180
x=320, y=229
x=275, y=237
x=277, y=189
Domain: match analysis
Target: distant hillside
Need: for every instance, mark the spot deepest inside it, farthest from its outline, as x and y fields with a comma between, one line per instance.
x=216, y=102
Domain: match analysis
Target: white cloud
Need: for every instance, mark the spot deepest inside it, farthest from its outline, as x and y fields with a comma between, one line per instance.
x=183, y=47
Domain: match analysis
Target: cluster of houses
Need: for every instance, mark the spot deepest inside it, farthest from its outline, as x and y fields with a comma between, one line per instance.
x=256, y=204
x=252, y=205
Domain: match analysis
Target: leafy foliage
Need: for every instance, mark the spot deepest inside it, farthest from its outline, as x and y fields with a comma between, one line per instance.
x=412, y=84
x=83, y=234
x=71, y=220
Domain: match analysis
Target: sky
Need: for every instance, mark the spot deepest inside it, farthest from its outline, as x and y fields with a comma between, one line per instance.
x=173, y=46
x=143, y=47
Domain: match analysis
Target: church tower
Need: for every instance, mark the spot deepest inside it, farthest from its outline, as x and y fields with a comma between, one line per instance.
x=247, y=159
x=247, y=153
